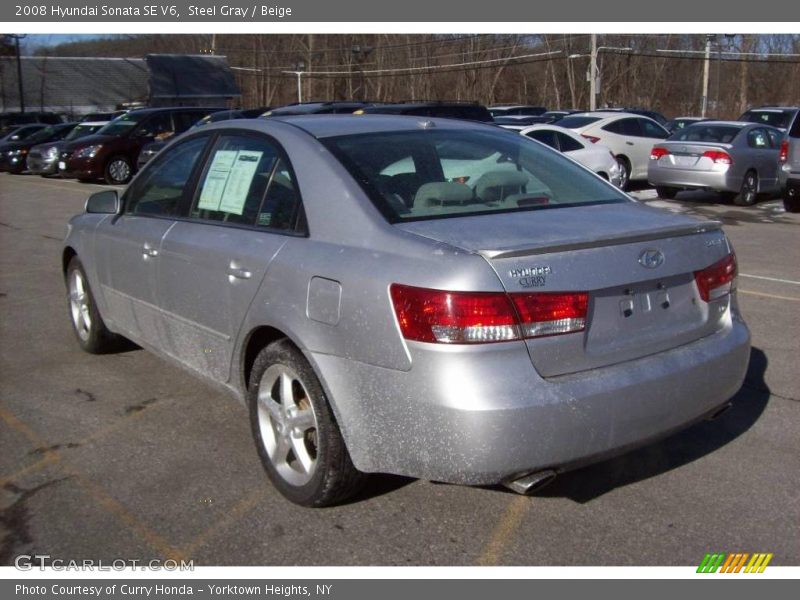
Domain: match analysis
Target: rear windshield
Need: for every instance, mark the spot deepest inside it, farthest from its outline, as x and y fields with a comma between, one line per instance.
x=720, y=134
x=429, y=174
x=768, y=117
x=577, y=122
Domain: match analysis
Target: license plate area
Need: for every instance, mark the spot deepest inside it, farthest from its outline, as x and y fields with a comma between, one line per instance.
x=62, y=166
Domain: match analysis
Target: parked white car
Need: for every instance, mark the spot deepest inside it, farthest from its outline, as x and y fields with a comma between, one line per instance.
x=630, y=137
x=596, y=157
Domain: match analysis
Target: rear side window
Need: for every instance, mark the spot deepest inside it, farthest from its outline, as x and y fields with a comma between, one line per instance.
x=546, y=136
x=567, y=143
x=159, y=189
x=757, y=138
x=247, y=181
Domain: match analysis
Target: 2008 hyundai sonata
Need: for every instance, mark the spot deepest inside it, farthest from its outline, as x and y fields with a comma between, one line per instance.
x=432, y=298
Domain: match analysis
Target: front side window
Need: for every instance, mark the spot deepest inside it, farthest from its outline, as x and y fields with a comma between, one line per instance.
x=426, y=174
x=652, y=130
x=159, y=189
x=247, y=181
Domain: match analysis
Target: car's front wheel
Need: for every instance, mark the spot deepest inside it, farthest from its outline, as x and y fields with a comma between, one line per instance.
x=118, y=171
x=296, y=434
x=93, y=335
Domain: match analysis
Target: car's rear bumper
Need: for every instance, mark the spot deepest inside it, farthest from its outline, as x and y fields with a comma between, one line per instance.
x=480, y=415
x=719, y=181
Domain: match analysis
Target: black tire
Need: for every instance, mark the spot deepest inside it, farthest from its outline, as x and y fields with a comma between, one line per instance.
x=624, y=173
x=87, y=324
x=118, y=171
x=748, y=194
x=333, y=478
x=791, y=203
x=668, y=193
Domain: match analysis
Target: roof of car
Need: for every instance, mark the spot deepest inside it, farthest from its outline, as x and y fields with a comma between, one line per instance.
x=322, y=126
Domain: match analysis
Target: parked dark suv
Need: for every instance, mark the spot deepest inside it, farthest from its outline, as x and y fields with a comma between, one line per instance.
x=111, y=153
x=789, y=161
x=470, y=111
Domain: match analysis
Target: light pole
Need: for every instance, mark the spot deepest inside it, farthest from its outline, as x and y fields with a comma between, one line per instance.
x=300, y=69
x=17, y=37
x=704, y=105
x=593, y=74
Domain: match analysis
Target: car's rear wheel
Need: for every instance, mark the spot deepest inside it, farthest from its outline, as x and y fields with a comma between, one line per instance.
x=791, y=203
x=668, y=193
x=93, y=335
x=296, y=434
x=118, y=171
x=624, y=173
x=748, y=194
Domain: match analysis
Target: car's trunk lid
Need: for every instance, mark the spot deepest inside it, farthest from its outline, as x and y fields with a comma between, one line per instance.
x=683, y=155
x=634, y=310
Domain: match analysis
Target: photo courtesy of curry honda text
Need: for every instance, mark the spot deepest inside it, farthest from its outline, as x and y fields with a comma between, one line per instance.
x=432, y=298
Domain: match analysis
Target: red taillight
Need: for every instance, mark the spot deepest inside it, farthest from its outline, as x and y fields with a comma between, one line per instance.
x=591, y=138
x=551, y=313
x=444, y=317
x=718, y=280
x=718, y=156
x=657, y=152
x=783, y=156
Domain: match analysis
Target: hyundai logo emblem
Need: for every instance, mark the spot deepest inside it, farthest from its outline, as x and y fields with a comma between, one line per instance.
x=651, y=258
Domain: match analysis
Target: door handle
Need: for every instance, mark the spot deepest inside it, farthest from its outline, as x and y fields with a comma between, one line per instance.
x=629, y=143
x=237, y=272
x=149, y=252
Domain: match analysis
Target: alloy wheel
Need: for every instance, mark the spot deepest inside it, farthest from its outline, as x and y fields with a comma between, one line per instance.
x=79, y=305
x=288, y=424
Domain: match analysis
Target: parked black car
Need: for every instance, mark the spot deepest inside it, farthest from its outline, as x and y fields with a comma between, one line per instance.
x=14, y=155
x=510, y=110
x=470, y=111
x=9, y=119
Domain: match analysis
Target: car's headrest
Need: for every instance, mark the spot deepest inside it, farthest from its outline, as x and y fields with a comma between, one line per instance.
x=443, y=193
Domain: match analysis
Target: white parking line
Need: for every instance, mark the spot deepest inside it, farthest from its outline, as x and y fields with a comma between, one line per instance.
x=789, y=281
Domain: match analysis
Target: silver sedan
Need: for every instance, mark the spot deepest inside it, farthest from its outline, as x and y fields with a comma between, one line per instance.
x=427, y=297
x=735, y=158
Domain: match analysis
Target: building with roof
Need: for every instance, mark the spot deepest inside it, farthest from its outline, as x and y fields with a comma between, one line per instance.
x=80, y=85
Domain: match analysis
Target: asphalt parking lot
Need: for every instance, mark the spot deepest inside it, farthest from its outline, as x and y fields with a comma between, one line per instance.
x=125, y=456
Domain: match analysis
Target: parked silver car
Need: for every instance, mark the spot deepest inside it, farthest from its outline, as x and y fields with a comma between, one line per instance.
x=428, y=297
x=735, y=158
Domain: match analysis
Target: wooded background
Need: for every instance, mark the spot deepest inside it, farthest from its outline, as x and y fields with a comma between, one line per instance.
x=745, y=70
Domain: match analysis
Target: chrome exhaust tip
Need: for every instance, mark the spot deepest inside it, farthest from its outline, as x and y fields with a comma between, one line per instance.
x=719, y=412
x=527, y=484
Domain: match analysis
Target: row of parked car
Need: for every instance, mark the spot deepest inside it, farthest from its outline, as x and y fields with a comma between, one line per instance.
x=741, y=159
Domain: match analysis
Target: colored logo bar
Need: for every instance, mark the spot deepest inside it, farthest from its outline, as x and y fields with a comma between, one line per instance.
x=734, y=562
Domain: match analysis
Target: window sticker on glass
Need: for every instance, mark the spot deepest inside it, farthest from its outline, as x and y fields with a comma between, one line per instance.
x=218, y=175
x=239, y=181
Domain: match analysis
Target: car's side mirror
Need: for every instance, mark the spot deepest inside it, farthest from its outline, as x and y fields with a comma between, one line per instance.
x=106, y=203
